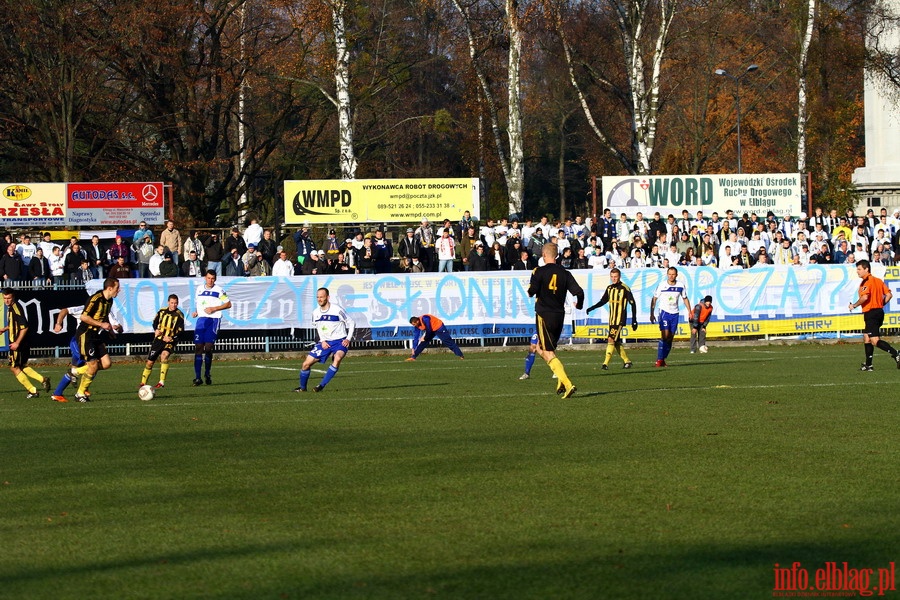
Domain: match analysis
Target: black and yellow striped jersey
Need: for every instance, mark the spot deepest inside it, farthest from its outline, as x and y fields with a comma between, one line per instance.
x=17, y=322
x=97, y=308
x=170, y=323
x=619, y=296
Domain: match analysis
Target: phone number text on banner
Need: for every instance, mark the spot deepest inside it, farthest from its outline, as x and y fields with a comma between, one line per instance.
x=378, y=200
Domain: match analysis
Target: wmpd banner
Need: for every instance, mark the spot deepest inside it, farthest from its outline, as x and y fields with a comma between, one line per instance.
x=379, y=200
x=670, y=194
x=770, y=299
x=41, y=205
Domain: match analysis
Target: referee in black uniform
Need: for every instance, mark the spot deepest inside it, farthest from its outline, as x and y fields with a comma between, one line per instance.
x=550, y=284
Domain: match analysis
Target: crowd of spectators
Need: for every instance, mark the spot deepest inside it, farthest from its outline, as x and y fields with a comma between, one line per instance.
x=726, y=241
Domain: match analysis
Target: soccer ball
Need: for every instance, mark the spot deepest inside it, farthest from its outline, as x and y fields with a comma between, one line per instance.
x=145, y=393
x=704, y=349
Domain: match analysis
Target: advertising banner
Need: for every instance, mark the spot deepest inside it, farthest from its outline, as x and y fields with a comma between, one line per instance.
x=770, y=299
x=108, y=203
x=670, y=194
x=379, y=200
x=33, y=205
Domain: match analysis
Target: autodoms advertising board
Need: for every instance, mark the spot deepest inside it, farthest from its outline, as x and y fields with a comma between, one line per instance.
x=379, y=200
x=670, y=194
x=119, y=203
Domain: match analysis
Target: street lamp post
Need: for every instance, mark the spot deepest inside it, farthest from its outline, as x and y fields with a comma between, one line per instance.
x=737, y=102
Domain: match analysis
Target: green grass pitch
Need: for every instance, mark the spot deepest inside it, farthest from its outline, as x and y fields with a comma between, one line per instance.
x=454, y=479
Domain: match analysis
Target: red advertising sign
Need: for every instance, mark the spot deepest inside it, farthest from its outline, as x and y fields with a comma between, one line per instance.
x=115, y=203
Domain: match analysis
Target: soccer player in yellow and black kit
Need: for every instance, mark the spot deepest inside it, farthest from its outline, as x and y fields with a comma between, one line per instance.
x=167, y=326
x=550, y=284
x=94, y=320
x=19, y=348
x=619, y=296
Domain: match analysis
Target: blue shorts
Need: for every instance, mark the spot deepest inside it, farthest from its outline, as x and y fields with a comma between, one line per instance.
x=75, y=349
x=668, y=321
x=321, y=354
x=207, y=330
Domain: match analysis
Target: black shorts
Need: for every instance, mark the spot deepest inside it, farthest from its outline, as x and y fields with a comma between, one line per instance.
x=873, y=320
x=92, y=346
x=615, y=332
x=549, y=328
x=158, y=347
x=19, y=358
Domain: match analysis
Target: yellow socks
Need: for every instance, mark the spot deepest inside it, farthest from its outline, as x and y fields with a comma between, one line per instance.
x=23, y=379
x=145, y=375
x=84, y=382
x=609, y=352
x=33, y=374
x=163, y=369
x=621, y=348
x=557, y=367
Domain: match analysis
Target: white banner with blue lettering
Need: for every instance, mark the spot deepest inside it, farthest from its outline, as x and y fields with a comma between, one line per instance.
x=494, y=304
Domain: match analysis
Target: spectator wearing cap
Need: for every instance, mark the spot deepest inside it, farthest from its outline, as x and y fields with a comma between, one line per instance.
x=312, y=265
x=235, y=241
x=193, y=266
x=47, y=244
x=700, y=318
x=330, y=246
x=384, y=250
x=142, y=232
x=283, y=267
x=168, y=268
x=119, y=248
x=407, y=248
x=425, y=240
x=536, y=245
x=248, y=257
x=40, y=269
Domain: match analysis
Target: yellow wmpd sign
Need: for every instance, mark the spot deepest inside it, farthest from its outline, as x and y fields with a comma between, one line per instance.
x=379, y=200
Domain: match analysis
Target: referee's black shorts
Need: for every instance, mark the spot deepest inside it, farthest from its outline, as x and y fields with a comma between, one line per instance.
x=873, y=319
x=549, y=328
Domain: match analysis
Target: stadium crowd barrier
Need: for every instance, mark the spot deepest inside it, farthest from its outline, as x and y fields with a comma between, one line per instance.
x=273, y=315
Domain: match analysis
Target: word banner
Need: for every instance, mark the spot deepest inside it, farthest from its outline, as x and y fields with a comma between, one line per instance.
x=110, y=204
x=670, y=194
x=379, y=200
x=33, y=205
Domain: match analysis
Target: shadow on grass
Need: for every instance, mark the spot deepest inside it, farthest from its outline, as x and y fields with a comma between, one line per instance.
x=670, y=571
